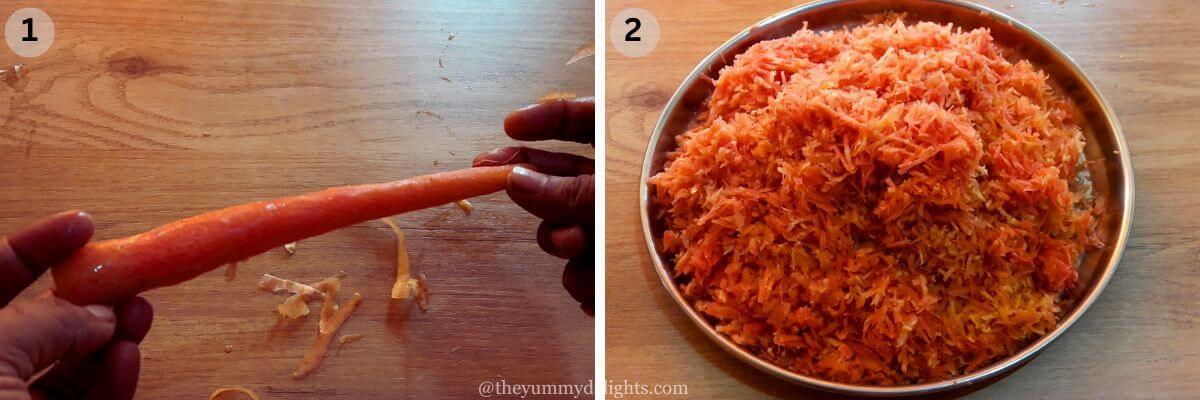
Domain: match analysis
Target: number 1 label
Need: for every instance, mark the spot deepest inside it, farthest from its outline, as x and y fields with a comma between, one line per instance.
x=29, y=32
x=28, y=22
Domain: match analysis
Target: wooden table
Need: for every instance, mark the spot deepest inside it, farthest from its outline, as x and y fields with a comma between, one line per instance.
x=144, y=112
x=1140, y=340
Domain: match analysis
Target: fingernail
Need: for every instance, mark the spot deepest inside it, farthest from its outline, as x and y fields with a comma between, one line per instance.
x=527, y=180
x=103, y=312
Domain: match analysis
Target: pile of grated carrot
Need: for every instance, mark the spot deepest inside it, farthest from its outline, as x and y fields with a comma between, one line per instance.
x=886, y=204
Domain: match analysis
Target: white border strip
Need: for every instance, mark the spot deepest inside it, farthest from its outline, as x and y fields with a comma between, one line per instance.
x=600, y=384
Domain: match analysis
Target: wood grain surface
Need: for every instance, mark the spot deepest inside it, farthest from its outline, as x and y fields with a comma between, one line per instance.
x=1140, y=340
x=143, y=112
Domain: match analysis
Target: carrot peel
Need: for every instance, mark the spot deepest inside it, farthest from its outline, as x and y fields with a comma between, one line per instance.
x=235, y=392
x=405, y=285
x=331, y=320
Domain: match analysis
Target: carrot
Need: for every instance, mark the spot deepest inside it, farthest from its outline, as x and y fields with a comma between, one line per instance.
x=109, y=271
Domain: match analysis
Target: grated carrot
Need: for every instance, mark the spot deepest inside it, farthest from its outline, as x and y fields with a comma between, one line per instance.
x=885, y=204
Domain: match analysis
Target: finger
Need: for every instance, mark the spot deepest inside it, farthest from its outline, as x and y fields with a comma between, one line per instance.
x=117, y=376
x=13, y=388
x=72, y=379
x=563, y=241
x=547, y=162
x=69, y=379
x=560, y=200
x=26, y=254
x=579, y=278
x=133, y=319
x=37, y=333
x=572, y=120
x=111, y=373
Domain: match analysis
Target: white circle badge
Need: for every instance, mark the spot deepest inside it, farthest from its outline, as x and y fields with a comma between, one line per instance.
x=29, y=32
x=634, y=32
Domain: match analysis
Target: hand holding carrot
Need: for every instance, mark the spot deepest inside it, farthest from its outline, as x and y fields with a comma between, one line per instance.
x=561, y=191
x=95, y=347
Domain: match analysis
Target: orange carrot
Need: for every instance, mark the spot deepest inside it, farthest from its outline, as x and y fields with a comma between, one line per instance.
x=109, y=271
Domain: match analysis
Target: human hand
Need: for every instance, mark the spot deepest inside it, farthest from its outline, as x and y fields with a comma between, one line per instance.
x=93, y=349
x=562, y=190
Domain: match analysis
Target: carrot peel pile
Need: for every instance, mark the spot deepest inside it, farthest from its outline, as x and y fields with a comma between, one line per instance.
x=296, y=305
x=274, y=284
x=332, y=318
x=111, y=270
x=333, y=283
x=886, y=204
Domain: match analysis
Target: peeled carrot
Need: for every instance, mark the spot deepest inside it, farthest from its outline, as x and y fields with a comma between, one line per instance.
x=109, y=271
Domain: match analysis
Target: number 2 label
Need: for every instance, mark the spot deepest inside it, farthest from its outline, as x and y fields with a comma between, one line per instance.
x=637, y=24
x=634, y=32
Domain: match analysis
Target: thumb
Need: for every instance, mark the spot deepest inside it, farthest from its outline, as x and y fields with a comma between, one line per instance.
x=39, y=332
x=556, y=199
